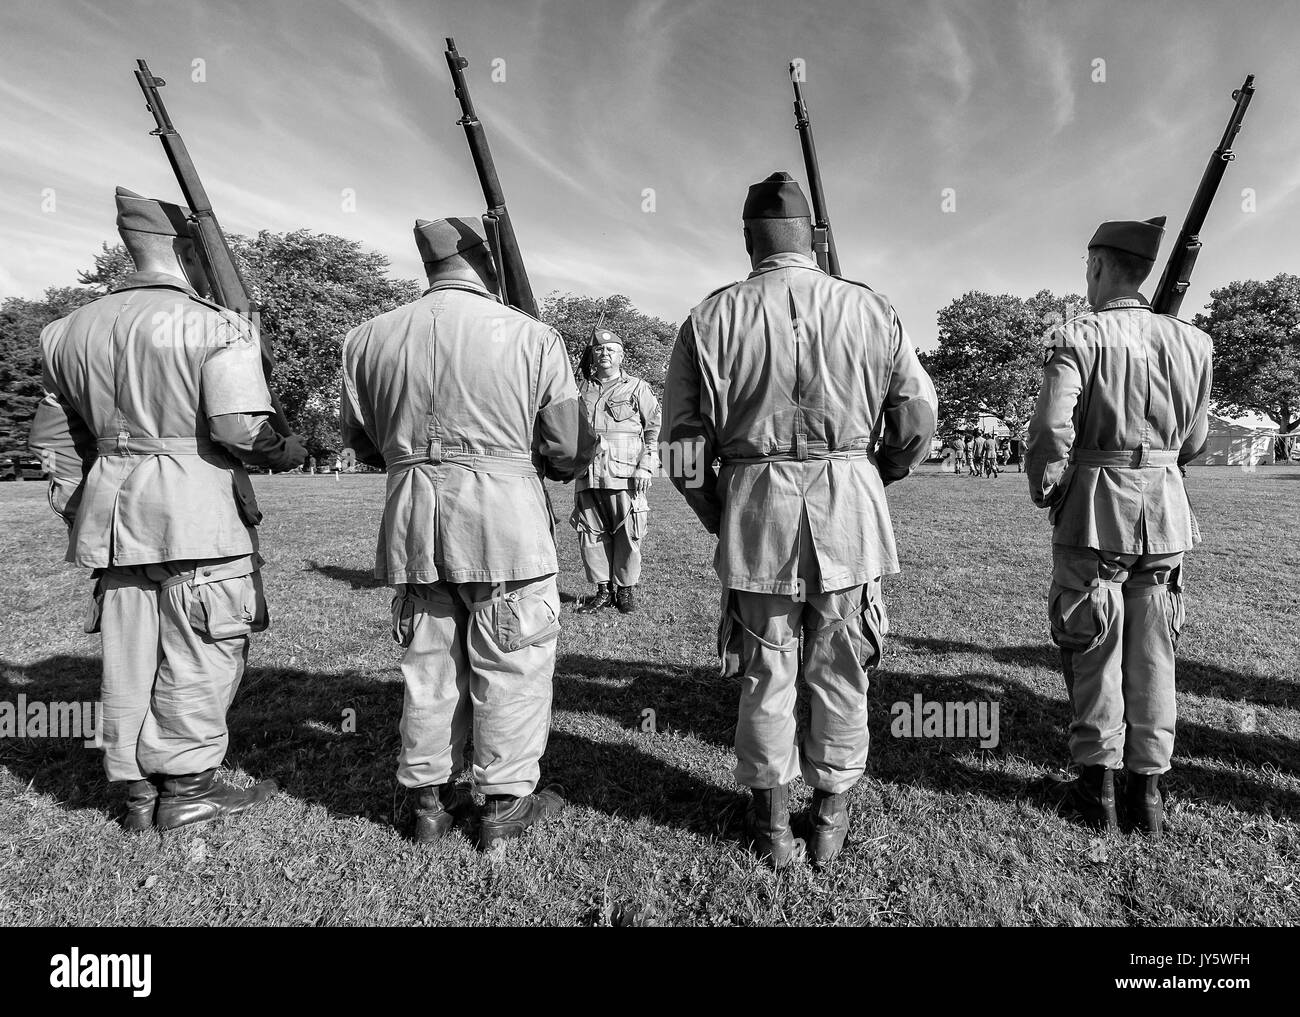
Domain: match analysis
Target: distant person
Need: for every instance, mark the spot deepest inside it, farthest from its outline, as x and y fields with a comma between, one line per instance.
x=1122, y=407
x=148, y=439
x=788, y=378
x=977, y=455
x=611, y=509
x=990, y=455
x=311, y=464
x=466, y=536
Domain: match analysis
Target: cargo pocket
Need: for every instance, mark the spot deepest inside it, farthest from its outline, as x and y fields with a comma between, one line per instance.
x=622, y=409
x=245, y=497
x=527, y=615
x=226, y=600
x=95, y=610
x=403, y=616
x=1174, y=605
x=871, y=626
x=1080, y=619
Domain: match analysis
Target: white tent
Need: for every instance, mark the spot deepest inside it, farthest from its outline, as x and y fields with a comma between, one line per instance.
x=1233, y=445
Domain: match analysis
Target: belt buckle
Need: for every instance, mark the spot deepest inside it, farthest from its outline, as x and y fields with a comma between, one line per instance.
x=434, y=451
x=123, y=443
x=801, y=447
x=1144, y=454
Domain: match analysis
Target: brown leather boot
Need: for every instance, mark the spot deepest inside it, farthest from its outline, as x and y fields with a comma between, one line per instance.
x=438, y=807
x=199, y=797
x=1144, y=804
x=505, y=817
x=828, y=821
x=767, y=825
x=1093, y=796
x=141, y=802
x=603, y=598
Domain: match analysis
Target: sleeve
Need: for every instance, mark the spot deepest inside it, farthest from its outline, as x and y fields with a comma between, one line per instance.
x=651, y=415
x=561, y=436
x=251, y=438
x=690, y=435
x=1199, y=436
x=356, y=433
x=1051, y=429
x=62, y=441
x=910, y=412
x=233, y=378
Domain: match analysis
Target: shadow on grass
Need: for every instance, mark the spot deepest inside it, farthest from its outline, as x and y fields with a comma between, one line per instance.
x=358, y=579
x=288, y=724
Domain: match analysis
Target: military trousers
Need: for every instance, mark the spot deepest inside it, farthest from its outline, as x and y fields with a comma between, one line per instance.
x=480, y=658
x=610, y=525
x=1117, y=619
x=175, y=642
x=833, y=639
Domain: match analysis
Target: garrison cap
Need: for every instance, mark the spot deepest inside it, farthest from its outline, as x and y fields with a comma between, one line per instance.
x=1131, y=236
x=442, y=238
x=604, y=337
x=148, y=215
x=777, y=197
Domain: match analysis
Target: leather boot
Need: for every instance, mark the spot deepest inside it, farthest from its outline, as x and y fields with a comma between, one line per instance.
x=505, y=817
x=437, y=809
x=767, y=825
x=141, y=801
x=199, y=797
x=1093, y=795
x=1144, y=804
x=602, y=599
x=624, y=599
x=828, y=826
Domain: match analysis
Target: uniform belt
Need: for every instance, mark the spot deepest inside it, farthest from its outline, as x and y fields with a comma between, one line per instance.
x=1133, y=459
x=792, y=456
x=508, y=464
x=130, y=445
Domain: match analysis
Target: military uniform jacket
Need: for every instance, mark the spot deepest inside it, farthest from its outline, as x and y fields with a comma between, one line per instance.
x=1123, y=405
x=809, y=392
x=466, y=402
x=623, y=414
x=131, y=380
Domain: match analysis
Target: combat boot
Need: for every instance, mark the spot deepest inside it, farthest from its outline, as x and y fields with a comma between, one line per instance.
x=767, y=825
x=438, y=807
x=602, y=599
x=199, y=797
x=1093, y=795
x=624, y=600
x=505, y=817
x=141, y=802
x=828, y=821
x=1143, y=803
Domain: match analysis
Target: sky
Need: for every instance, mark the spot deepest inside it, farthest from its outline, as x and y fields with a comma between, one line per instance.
x=626, y=134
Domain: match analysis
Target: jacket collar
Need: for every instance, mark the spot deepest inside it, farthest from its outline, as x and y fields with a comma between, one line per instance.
x=143, y=280
x=1126, y=303
x=461, y=284
x=785, y=259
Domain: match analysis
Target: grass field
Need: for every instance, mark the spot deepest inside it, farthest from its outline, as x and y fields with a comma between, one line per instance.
x=944, y=832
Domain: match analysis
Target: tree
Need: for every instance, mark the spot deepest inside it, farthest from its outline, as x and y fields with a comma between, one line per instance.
x=647, y=341
x=112, y=266
x=312, y=288
x=1256, y=331
x=21, y=322
x=990, y=355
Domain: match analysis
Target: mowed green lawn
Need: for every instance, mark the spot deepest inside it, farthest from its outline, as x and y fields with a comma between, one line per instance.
x=944, y=832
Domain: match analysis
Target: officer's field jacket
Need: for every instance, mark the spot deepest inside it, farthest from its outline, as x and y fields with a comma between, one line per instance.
x=1123, y=405
x=465, y=401
x=623, y=415
x=132, y=381
x=808, y=391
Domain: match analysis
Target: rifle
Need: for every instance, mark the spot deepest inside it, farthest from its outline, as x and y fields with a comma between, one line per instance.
x=823, y=240
x=513, y=278
x=1177, y=275
x=227, y=284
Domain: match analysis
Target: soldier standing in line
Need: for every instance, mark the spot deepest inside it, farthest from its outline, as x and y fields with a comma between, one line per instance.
x=467, y=403
x=809, y=392
x=990, y=455
x=153, y=396
x=610, y=506
x=977, y=455
x=1122, y=409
